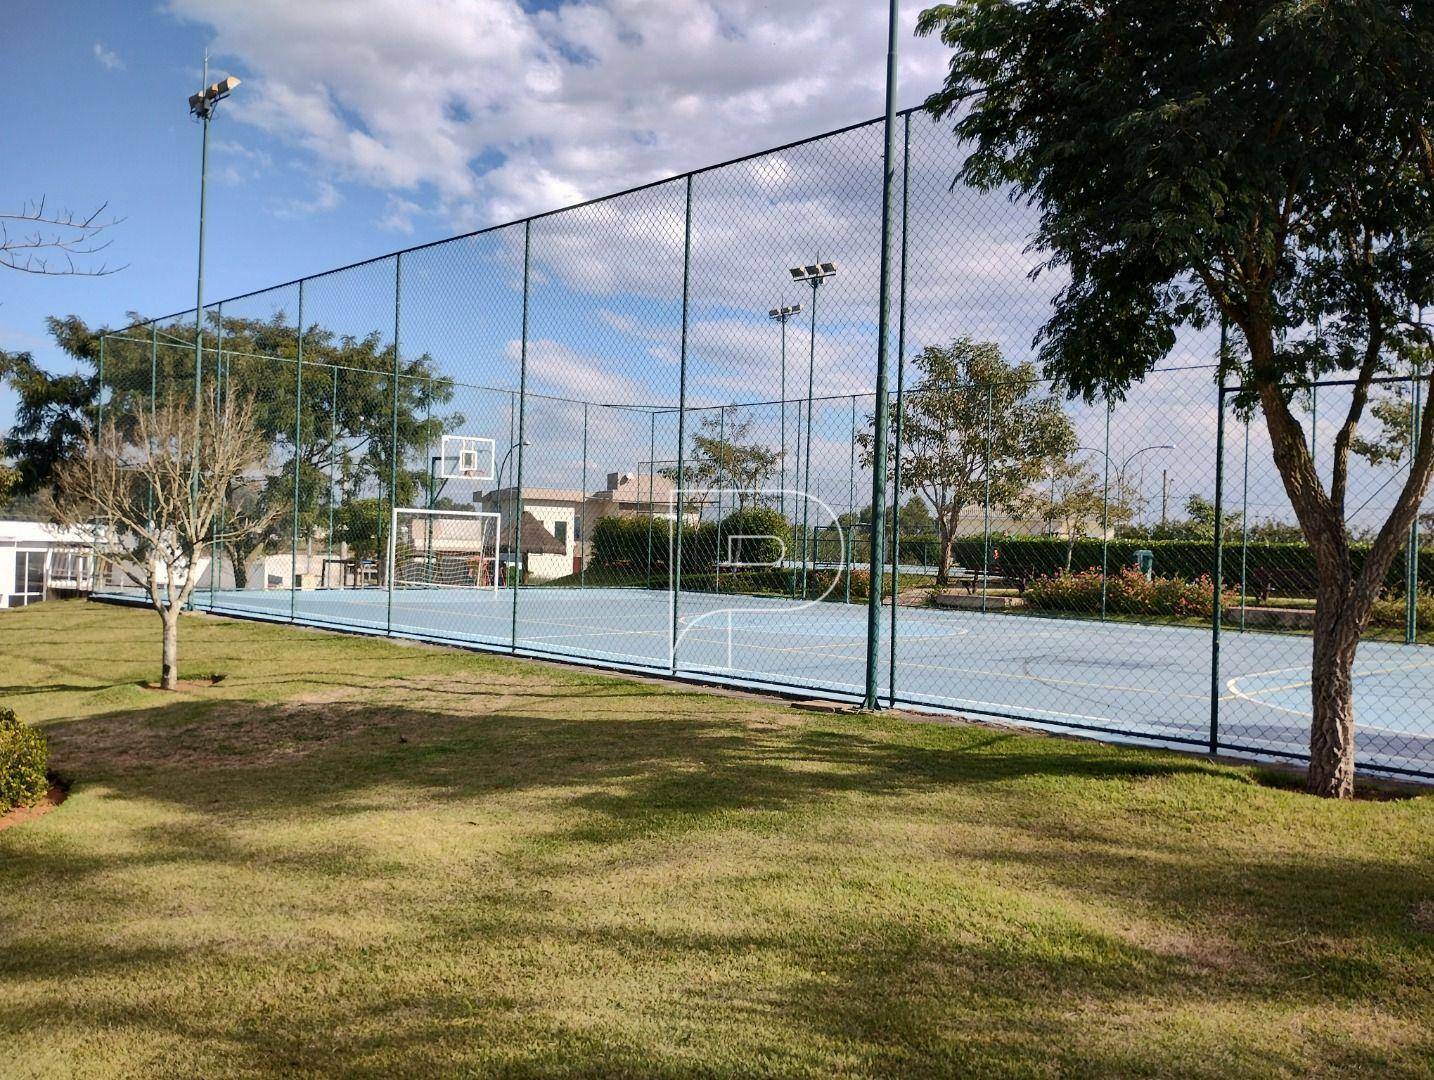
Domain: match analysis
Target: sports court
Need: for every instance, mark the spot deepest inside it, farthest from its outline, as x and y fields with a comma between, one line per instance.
x=1114, y=678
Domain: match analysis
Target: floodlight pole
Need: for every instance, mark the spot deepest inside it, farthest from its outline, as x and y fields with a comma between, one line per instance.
x=807, y=450
x=204, y=115
x=878, y=472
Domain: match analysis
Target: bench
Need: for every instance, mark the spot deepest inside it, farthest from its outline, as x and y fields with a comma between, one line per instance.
x=1285, y=580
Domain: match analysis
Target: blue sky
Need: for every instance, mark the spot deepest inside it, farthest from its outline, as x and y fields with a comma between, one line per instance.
x=376, y=124
x=366, y=126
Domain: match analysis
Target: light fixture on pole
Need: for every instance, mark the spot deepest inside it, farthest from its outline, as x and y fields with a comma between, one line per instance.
x=812, y=274
x=201, y=107
x=781, y=315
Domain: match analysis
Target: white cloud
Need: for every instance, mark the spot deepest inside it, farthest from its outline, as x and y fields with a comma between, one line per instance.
x=326, y=197
x=108, y=58
x=398, y=215
x=492, y=111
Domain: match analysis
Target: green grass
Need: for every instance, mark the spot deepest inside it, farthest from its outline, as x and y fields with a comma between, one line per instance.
x=358, y=857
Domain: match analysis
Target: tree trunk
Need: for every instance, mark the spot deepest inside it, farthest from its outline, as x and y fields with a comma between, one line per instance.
x=169, y=655
x=1336, y=637
x=943, y=564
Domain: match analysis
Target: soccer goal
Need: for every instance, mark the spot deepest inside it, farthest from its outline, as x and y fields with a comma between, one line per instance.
x=444, y=549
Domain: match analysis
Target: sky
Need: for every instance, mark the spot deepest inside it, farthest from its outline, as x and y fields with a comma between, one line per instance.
x=370, y=125
x=366, y=126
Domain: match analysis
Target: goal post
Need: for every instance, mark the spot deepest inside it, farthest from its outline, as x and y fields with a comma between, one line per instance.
x=444, y=549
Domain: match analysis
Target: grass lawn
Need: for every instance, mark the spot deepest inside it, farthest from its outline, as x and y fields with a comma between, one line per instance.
x=358, y=857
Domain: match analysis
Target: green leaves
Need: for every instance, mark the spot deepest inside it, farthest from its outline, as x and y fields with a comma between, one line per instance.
x=1258, y=160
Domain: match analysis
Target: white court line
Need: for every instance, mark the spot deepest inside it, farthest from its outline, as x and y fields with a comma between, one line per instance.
x=1249, y=695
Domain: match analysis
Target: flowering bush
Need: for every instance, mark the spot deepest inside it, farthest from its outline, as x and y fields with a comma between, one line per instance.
x=1127, y=593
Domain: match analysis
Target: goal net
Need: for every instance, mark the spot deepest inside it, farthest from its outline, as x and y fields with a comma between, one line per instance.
x=444, y=549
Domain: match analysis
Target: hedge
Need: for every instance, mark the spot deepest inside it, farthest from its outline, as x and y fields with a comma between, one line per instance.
x=1038, y=556
x=627, y=543
x=623, y=542
x=23, y=756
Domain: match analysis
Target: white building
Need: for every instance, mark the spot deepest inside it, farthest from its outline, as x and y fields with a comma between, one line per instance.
x=39, y=560
x=567, y=517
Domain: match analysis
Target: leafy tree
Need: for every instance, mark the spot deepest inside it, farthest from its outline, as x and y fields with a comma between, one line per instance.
x=1270, y=164
x=915, y=517
x=724, y=456
x=9, y=478
x=974, y=425
x=343, y=419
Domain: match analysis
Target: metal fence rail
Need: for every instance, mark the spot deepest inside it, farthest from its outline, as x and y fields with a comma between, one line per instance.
x=678, y=441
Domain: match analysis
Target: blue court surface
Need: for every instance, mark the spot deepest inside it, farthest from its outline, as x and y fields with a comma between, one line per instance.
x=1117, y=679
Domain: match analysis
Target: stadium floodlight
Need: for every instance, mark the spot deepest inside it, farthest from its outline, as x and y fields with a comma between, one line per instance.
x=785, y=312
x=813, y=272
x=202, y=104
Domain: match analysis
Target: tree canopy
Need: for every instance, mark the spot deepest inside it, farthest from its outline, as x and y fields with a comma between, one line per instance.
x=1268, y=164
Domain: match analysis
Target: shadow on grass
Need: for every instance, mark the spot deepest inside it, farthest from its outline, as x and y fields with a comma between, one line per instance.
x=921, y=899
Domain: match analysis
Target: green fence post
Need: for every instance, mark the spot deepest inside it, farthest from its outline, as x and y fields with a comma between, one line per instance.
x=387, y=526
x=879, y=439
x=651, y=470
x=900, y=390
x=298, y=445
x=580, y=526
x=1244, y=525
x=522, y=430
x=850, y=545
x=986, y=503
x=783, y=456
x=333, y=462
x=1105, y=517
x=676, y=570
x=216, y=560
x=1217, y=584
x=1411, y=575
x=721, y=476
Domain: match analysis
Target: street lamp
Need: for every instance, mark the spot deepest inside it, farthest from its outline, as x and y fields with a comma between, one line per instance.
x=1105, y=506
x=781, y=315
x=813, y=274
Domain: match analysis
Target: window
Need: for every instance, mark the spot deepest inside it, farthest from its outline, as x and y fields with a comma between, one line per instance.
x=560, y=531
x=30, y=574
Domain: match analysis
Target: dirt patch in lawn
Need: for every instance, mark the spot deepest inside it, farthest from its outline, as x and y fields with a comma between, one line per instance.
x=19, y=815
x=228, y=733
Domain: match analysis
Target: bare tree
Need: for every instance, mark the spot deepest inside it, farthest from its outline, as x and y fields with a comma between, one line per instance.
x=149, y=487
x=36, y=240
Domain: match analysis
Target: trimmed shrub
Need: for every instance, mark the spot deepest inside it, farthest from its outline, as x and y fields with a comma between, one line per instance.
x=756, y=521
x=1127, y=593
x=23, y=756
x=1391, y=612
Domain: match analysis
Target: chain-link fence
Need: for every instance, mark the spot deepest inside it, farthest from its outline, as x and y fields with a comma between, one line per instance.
x=628, y=433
